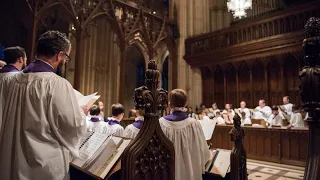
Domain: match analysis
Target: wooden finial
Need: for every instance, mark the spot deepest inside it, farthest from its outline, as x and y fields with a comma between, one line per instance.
x=151, y=154
x=310, y=96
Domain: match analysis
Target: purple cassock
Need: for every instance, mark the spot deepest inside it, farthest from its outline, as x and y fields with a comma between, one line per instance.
x=176, y=116
x=8, y=69
x=38, y=66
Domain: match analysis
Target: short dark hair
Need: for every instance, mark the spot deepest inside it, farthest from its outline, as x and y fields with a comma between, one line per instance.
x=275, y=108
x=94, y=110
x=12, y=54
x=178, y=98
x=117, y=109
x=51, y=43
x=286, y=97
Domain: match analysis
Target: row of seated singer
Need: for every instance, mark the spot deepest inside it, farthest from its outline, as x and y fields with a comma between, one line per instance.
x=262, y=116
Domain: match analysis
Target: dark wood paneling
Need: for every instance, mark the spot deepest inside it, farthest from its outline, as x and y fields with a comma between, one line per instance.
x=279, y=145
x=219, y=87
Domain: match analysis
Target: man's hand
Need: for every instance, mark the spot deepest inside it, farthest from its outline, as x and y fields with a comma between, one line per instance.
x=85, y=109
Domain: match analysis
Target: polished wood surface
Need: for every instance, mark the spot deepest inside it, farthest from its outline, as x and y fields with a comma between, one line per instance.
x=279, y=145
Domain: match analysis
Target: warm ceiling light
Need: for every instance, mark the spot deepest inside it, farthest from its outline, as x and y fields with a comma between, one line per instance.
x=239, y=7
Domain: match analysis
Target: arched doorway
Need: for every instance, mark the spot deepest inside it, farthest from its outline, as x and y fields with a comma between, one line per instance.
x=164, y=75
x=134, y=75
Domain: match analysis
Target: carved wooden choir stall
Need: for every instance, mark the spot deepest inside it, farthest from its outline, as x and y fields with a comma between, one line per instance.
x=310, y=96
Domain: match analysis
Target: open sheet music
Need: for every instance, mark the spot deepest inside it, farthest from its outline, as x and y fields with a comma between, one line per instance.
x=220, y=163
x=99, y=152
x=208, y=126
x=86, y=100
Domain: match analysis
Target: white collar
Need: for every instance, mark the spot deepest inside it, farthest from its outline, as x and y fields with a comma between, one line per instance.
x=139, y=118
x=115, y=119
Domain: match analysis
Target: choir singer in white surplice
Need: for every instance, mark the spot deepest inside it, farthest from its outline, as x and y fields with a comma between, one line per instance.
x=42, y=121
x=191, y=149
x=262, y=111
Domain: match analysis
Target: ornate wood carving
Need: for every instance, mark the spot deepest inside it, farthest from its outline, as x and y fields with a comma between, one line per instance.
x=126, y=21
x=150, y=155
x=220, y=47
x=238, y=155
x=310, y=96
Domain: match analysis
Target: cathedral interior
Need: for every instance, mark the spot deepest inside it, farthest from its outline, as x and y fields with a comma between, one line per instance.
x=201, y=46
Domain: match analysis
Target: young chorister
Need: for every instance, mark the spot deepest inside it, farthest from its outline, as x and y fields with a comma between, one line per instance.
x=94, y=123
x=133, y=129
x=228, y=114
x=296, y=118
x=191, y=149
x=113, y=126
x=275, y=119
x=219, y=119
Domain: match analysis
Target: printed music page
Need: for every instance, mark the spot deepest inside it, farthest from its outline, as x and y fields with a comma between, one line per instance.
x=221, y=163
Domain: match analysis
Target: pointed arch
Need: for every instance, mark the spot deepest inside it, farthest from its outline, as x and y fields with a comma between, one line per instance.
x=244, y=83
x=231, y=85
x=291, y=69
x=274, y=81
x=259, y=81
x=218, y=86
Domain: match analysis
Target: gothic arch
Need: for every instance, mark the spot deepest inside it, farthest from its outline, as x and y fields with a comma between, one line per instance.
x=259, y=85
x=244, y=83
x=231, y=85
x=219, y=86
x=274, y=81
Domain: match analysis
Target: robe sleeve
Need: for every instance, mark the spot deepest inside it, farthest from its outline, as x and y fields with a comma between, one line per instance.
x=267, y=112
x=66, y=118
x=119, y=131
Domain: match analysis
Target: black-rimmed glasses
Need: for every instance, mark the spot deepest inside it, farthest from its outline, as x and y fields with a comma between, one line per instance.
x=68, y=59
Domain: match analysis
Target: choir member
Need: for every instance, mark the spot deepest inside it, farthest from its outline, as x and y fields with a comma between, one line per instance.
x=275, y=118
x=296, y=118
x=204, y=115
x=244, y=113
x=94, y=124
x=113, y=126
x=16, y=60
x=43, y=123
x=228, y=114
x=191, y=113
x=286, y=107
x=101, y=106
x=262, y=111
x=219, y=119
x=133, y=129
x=214, y=109
x=191, y=149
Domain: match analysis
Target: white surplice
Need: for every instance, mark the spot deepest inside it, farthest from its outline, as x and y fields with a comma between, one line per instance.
x=131, y=131
x=296, y=120
x=95, y=126
x=191, y=149
x=267, y=111
x=114, y=129
x=4, y=77
x=42, y=126
x=288, y=110
x=275, y=120
x=220, y=120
